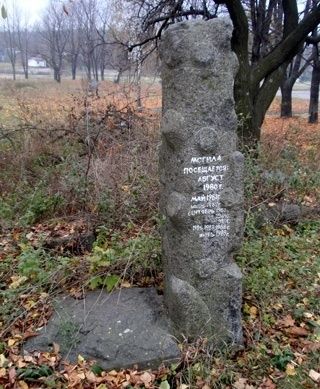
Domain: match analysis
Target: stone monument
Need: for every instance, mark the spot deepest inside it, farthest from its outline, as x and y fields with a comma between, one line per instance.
x=201, y=176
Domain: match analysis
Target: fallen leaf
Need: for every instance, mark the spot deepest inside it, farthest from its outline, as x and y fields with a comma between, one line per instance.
x=253, y=311
x=20, y=364
x=125, y=284
x=29, y=304
x=23, y=385
x=76, y=293
x=241, y=383
x=314, y=375
x=81, y=375
x=308, y=345
x=12, y=375
x=3, y=361
x=267, y=384
x=126, y=188
x=29, y=358
x=17, y=281
x=12, y=342
x=297, y=331
x=29, y=236
x=287, y=321
x=278, y=306
x=164, y=385
x=3, y=372
x=80, y=359
x=290, y=369
x=56, y=348
x=90, y=376
x=29, y=334
x=147, y=378
x=287, y=228
x=308, y=199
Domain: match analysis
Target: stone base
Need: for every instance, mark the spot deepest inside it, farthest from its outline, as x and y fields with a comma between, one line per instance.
x=118, y=330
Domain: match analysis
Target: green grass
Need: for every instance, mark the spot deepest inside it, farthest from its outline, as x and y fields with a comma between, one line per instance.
x=281, y=265
x=281, y=268
x=277, y=259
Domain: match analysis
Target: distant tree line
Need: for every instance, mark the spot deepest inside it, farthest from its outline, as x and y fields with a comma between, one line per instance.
x=89, y=34
x=276, y=41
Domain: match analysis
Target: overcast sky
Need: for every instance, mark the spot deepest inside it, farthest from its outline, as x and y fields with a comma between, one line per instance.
x=33, y=8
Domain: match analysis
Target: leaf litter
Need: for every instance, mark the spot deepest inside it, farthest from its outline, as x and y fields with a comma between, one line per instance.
x=289, y=338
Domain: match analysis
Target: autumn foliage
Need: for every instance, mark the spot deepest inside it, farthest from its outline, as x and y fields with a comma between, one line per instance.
x=79, y=196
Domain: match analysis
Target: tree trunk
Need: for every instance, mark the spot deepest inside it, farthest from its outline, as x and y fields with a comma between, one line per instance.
x=89, y=71
x=286, y=99
x=74, y=65
x=26, y=71
x=14, y=71
x=314, y=93
x=57, y=75
x=117, y=80
x=102, y=73
x=74, y=71
x=248, y=130
x=256, y=84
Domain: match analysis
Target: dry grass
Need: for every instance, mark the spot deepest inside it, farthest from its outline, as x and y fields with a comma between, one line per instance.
x=98, y=150
x=279, y=134
x=95, y=149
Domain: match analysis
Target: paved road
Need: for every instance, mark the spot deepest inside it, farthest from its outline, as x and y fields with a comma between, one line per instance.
x=301, y=94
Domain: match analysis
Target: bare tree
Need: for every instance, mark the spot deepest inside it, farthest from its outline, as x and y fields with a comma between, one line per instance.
x=10, y=36
x=55, y=35
x=294, y=70
x=103, y=22
x=117, y=56
x=87, y=16
x=126, y=31
x=74, y=43
x=315, y=82
x=261, y=63
x=23, y=41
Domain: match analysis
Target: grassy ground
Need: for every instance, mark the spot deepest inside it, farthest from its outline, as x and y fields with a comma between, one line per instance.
x=79, y=195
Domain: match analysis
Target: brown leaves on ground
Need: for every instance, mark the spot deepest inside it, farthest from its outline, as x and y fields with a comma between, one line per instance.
x=281, y=133
x=20, y=371
x=287, y=325
x=62, y=237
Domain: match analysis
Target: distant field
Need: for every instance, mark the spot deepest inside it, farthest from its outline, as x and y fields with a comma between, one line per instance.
x=47, y=73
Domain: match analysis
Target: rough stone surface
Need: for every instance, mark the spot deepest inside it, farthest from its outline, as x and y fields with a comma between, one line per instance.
x=201, y=175
x=277, y=214
x=118, y=330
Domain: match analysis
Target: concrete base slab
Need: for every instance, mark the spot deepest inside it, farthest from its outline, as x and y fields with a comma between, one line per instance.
x=118, y=330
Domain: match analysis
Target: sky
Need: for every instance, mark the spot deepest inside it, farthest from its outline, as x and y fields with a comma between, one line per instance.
x=33, y=8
